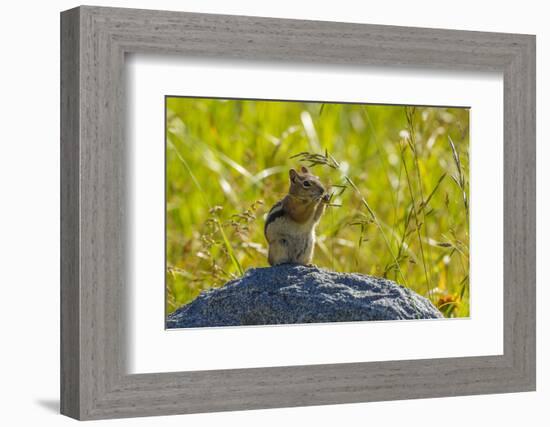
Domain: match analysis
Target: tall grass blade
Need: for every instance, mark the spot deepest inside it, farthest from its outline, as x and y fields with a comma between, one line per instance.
x=226, y=242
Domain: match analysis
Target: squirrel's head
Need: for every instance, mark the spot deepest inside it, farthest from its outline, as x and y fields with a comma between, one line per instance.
x=304, y=185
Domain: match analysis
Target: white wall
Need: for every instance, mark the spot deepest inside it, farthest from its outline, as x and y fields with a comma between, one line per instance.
x=29, y=225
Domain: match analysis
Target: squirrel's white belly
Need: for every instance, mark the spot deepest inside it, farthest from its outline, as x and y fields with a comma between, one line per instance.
x=305, y=228
x=293, y=242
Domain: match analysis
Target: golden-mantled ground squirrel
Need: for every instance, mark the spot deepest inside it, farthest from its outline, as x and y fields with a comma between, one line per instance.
x=290, y=224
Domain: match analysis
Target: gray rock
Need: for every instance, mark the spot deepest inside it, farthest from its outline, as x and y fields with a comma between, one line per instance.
x=298, y=294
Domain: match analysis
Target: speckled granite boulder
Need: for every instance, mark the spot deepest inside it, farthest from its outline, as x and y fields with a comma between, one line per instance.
x=298, y=294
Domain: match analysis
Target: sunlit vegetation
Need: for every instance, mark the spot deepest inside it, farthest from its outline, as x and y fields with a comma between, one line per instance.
x=399, y=178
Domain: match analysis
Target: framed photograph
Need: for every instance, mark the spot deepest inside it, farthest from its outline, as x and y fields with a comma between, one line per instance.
x=262, y=213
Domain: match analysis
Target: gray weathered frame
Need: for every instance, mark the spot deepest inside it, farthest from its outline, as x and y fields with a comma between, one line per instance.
x=94, y=41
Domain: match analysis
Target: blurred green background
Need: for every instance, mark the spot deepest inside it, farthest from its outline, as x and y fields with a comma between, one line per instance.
x=400, y=195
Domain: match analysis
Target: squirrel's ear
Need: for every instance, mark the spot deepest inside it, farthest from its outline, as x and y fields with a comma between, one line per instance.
x=305, y=170
x=292, y=174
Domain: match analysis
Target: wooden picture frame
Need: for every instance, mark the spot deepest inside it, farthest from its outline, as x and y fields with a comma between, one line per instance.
x=94, y=382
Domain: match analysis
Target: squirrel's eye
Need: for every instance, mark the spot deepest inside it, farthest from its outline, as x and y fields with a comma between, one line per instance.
x=307, y=183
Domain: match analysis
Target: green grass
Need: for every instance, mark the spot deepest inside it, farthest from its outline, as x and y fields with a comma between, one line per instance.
x=400, y=184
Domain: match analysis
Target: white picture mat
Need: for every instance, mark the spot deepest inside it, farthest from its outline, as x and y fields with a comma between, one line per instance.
x=151, y=348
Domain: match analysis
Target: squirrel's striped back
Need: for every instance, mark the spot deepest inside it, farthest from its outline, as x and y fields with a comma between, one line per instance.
x=275, y=212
